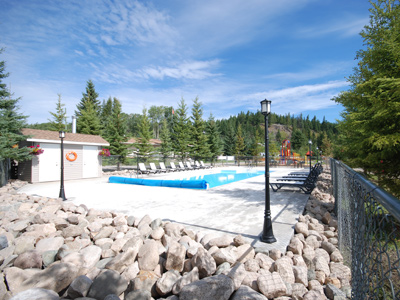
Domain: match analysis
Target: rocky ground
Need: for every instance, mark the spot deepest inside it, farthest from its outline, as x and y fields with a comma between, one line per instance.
x=51, y=249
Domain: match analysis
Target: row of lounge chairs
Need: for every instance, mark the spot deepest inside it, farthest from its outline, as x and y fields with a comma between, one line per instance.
x=162, y=169
x=303, y=180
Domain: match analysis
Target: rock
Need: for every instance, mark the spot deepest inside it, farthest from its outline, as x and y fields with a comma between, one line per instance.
x=3, y=242
x=298, y=291
x=157, y=233
x=300, y=275
x=48, y=244
x=237, y=274
x=138, y=295
x=275, y=254
x=104, y=232
x=146, y=280
x=175, y=257
x=296, y=246
x=173, y=229
x=79, y=287
x=223, y=255
x=156, y=223
x=336, y=256
x=29, y=259
x=3, y=288
x=146, y=220
x=332, y=292
x=73, y=231
x=264, y=261
x=221, y=242
x=165, y=284
x=108, y=282
x=314, y=295
x=244, y=253
x=284, y=266
x=36, y=294
x=302, y=228
x=223, y=268
x=130, y=220
x=252, y=265
x=250, y=280
x=328, y=247
x=271, y=285
x=148, y=256
x=239, y=240
x=23, y=244
x=215, y=287
x=247, y=293
x=91, y=255
x=186, y=279
x=321, y=265
x=204, y=262
x=122, y=260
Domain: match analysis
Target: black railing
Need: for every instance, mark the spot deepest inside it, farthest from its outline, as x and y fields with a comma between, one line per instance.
x=368, y=233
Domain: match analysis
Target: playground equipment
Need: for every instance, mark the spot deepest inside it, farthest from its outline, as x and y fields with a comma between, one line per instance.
x=287, y=156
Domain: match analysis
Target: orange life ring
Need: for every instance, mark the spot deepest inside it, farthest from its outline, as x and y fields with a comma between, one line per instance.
x=74, y=156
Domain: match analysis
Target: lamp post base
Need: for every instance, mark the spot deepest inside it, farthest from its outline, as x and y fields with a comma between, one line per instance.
x=268, y=239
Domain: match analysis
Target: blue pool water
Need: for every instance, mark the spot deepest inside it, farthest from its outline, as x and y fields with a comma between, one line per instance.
x=194, y=182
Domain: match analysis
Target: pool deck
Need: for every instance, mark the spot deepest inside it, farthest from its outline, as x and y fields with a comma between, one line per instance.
x=235, y=208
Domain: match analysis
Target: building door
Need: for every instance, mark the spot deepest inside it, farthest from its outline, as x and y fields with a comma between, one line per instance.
x=49, y=162
x=90, y=161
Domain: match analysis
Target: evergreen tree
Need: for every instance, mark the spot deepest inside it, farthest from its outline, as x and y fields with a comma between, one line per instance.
x=88, y=113
x=11, y=122
x=181, y=130
x=88, y=122
x=200, y=147
x=257, y=147
x=145, y=134
x=59, y=117
x=214, y=140
x=166, y=146
x=239, y=144
x=278, y=136
x=298, y=140
x=371, y=119
x=116, y=130
x=230, y=141
x=105, y=112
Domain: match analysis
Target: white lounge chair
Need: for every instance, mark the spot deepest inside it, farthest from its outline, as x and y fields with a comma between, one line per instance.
x=163, y=168
x=173, y=167
x=154, y=168
x=182, y=167
x=198, y=166
x=204, y=166
x=143, y=170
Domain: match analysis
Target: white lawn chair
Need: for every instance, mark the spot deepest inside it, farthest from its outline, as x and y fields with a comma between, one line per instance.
x=163, y=168
x=154, y=168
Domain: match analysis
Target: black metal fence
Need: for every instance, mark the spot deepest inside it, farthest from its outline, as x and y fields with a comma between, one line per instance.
x=369, y=233
x=5, y=167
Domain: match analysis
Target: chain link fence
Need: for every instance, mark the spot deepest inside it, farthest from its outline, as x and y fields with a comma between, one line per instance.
x=369, y=235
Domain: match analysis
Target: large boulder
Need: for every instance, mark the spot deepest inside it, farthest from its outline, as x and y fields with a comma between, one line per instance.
x=215, y=287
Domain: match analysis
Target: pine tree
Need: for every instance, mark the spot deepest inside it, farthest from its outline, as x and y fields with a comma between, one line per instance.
x=116, y=130
x=145, y=134
x=88, y=113
x=239, y=144
x=214, y=140
x=105, y=112
x=229, y=141
x=181, y=130
x=59, y=117
x=11, y=122
x=88, y=122
x=166, y=146
x=200, y=148
x=371, y=119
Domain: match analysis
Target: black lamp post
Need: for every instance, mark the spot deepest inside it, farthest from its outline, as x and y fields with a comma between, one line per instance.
x=267, y=235
x=317, y=154
x=62, y=194
x=309, y=151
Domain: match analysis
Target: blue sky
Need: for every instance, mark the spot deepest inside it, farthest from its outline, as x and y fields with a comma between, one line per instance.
x=231, y=54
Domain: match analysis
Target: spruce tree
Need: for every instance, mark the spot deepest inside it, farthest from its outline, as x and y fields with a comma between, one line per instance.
x=58, y=123
x=166, y=146
x=88, y=113
x=116, y=130
x=229, y=141
x=181, y=130
x=214, y=140
x=200, y=148
x=145, y=134
x=239, y=144
x=105, y=112
x=11, y=123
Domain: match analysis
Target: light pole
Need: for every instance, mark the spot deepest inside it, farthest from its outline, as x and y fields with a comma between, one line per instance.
x=317, y=154
x=267, y=235
x=309, y=151
x=62, y=193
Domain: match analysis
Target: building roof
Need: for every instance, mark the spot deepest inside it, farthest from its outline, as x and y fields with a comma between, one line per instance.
x=154, y=142
x=47, y=136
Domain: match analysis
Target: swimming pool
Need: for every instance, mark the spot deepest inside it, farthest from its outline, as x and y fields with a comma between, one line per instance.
x=206, y=181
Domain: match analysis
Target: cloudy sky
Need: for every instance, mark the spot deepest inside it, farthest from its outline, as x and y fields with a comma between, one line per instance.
x=230, y=53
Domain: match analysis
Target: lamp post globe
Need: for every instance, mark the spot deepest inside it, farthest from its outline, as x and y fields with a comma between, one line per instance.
x=267, y=234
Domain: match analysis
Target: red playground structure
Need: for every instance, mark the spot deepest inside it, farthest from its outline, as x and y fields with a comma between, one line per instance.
x=287, y=156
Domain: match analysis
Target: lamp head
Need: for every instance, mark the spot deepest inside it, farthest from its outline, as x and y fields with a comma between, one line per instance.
x=61, y=134
x=265, y=107
x=310, y=142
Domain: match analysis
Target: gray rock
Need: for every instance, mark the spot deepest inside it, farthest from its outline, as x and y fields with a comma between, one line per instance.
x=146, y=281
x=204, y=262
x=237, y=274
x=223, y=268
x=314, y=295
x=73, y=231
x=247, y=293
x=138, y=295
x=104, y=232
x=332, y=292
x=112, y=297
x=29, y=259
x=271, y=285
x=3, y=288
x=215, y=287
x=91, y=256
x=156, y=223
x=36, y=294
x=175, y=257
x=148, y=256
x=3, y=242
x=186, y=279
x=47, y=244
x=23, y=244
x=122, y=260
x=48, y=257
x=131, y=220
x=79, y=287
x=108, y=282
x=165, y=284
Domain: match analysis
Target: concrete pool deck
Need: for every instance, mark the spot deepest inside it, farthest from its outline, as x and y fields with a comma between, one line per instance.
x=235, y=208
